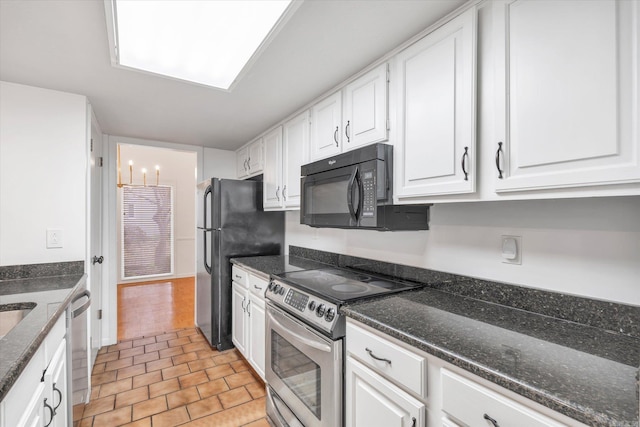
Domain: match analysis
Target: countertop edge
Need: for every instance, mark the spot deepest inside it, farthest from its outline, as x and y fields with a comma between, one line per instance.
x=251, y=270
x=16, y=369
x=579, y=413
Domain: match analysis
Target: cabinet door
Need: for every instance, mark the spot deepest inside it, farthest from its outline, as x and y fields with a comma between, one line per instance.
x=272, y=178
x=295, y=146
x=56, y=386
x=373, y=401
x=255, y=155
x=242, y=167
x=366, y=109
x=326, y=127
x=567, y=93
x=257, y=332
x=435, y=154
x=36, y=413
x=238, y=323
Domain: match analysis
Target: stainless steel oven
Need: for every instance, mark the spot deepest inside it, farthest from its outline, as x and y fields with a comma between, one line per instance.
x=304, y=370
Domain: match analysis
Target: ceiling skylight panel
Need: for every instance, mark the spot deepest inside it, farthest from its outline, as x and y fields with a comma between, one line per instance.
x=204, y=41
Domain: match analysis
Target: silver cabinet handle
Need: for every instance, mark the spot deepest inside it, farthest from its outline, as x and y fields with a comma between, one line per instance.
x=335, y=136
x=242, y=304
x=249, y=163
x=346, y=131
x=56, y=389
x=257, y=287
x=284, y=193
x=465, y=160
x=52, y=412
x=249, y=311
x=491, y=420
x=278, y=193
x=373, y=356
x=499, y=154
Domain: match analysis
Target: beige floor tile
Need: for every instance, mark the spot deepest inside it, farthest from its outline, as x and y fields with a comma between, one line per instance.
x=159, y=364
x=157, y=346
x=196, y=378
x=164, y=387
x=123, y=345
x=167, y=337
x=131, y=371
x=203, y=407
x=234, y=397
x=201, y=364
x=149, y=407
x=98, y=368
x=131, y=352
x=171, y=418
x=196, y=346
x=132, y=396
x=213, y=387
x=113, y=418
x=175, y=371
x=144, y=341
x=115, y=387
x=85, y=422
x=240, y=379
x=171, y=351
x=226, y=357
x=262, y=422
x=220, y=371
x=234, y=417
x=99, y=406
x=145, y=422
x=178, y=342
x=208, y=353
x=187, y=332
x=182, y=397
x=146, y=357
x=257, y=390
x=239, y=365
x=184, y=358
x=105, y=377
x=118, y=364
x=148, y=378
x=106, y=357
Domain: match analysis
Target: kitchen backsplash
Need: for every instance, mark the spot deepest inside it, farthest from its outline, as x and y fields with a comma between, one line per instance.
x=616, y=317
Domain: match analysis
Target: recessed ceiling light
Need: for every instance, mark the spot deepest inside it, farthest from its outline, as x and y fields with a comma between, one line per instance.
x=207, y=42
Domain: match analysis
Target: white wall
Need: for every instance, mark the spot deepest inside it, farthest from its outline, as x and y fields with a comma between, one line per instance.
x=219, y=163
x=43, y=170
x=177, y=169
x=587, y=247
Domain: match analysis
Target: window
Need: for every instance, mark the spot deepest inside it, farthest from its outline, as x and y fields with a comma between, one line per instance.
x=147, y=231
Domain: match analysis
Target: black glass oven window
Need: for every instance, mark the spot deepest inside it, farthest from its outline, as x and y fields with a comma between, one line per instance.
x=297, y=371
x=327, y=197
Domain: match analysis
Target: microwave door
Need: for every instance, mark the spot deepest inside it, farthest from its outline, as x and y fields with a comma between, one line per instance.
x=353, y=196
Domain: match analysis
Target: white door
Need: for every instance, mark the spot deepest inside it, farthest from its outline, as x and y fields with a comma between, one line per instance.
x=326, y=127
x=238, y=311
x=373, y=401
x=272, y=177
x=567, y=93
x=257, y=333
x=95, y=276
x=295, y=142
x=435, y=153
x=366, y=109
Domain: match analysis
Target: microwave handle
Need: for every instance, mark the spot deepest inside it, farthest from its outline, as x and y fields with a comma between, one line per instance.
x=353, y=180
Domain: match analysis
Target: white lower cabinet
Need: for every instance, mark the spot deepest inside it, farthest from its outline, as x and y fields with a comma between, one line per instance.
x=40, y=396
x=248, y=317
x=386, y=384
x=371, y=400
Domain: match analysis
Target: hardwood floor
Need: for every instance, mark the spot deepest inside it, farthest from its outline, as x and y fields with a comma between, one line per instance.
x=163, y=373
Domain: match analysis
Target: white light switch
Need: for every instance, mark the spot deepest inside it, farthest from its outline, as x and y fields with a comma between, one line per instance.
x=512, y=249
x=54, y=238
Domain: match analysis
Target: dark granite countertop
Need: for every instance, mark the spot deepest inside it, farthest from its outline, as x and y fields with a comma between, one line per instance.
x=51, y=296
x=276, y=264
x=584, y=372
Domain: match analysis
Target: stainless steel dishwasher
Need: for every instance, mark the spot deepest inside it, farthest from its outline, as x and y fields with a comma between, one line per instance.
x=78, y=353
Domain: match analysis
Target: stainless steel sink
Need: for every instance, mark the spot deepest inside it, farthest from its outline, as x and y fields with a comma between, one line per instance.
x=12, y=314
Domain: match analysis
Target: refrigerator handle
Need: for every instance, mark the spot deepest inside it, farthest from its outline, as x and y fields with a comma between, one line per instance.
x=206, y=256
x=207, y=192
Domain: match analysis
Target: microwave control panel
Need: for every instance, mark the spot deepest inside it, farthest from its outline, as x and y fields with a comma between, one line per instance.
x=369, y=198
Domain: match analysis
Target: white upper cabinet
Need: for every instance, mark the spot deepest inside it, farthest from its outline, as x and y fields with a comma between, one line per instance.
x=286, y=150
x=272, y=179
x=366, y=109
x=567, y=94
x=249, y=159
x=355, y=116
x=435, y=153
x=326, y=127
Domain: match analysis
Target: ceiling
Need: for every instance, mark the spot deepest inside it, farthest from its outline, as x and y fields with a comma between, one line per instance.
x=62, y=45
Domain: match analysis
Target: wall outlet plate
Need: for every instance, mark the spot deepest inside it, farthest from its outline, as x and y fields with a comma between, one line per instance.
x=512, y=249
x=54, y=238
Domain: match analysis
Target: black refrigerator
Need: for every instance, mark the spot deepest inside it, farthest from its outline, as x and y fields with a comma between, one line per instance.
x=231, y=223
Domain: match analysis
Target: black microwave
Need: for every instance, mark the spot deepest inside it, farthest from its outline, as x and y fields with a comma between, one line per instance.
x=355, y=190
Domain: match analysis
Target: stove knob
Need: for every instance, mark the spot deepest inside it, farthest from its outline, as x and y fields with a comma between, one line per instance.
x=312, y=305
x=331, y=313
x=320, y=310
x=281, y=291
x=276, y=288
x=271, y=286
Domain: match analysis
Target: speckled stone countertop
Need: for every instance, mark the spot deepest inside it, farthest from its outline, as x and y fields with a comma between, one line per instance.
x=51, y=296
x=276, y=264
x=584, y=372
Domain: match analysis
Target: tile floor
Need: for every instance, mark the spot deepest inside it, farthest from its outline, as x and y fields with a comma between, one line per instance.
x=172, y=379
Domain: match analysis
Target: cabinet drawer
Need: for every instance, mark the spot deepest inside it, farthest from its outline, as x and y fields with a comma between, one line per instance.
x=257, y=285
x=469, y=403
x=239, y=276
x=400, y=365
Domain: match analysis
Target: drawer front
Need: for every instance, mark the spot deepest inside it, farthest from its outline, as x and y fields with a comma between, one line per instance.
x=472, y=404
x=239, y=276
x=400, y=365
x=257, y=285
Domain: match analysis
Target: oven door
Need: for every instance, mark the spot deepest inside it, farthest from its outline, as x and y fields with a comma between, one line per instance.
x=304, y=370
x=332, y=198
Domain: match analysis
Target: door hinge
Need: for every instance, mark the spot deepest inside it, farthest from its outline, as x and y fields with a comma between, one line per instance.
x=100, y=161
x=100, y=314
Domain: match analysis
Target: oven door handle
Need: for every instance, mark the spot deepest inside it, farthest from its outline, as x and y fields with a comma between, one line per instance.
x=285, y=331
x=286, y=420
x=353, y=182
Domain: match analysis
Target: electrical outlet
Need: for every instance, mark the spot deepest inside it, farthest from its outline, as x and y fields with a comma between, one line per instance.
x=512, y=249
x=54, y=238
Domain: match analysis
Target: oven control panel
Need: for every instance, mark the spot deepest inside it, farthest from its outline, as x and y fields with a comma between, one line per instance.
x=310, y=308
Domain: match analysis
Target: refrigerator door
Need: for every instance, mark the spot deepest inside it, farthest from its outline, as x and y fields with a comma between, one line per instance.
x=203, y=259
